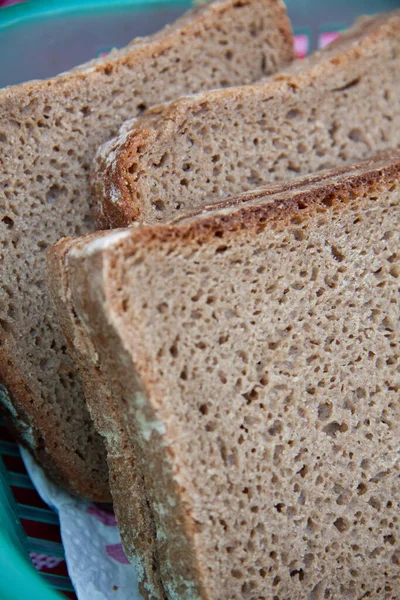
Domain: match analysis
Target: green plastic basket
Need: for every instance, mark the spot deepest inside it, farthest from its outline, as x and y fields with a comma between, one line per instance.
x=19, y=580
x=40, y=38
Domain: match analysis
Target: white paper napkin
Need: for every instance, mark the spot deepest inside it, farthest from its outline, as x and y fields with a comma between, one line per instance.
x=97, y=565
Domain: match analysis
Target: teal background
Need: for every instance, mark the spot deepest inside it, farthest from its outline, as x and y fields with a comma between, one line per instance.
x=41, y=38
x=18, y=578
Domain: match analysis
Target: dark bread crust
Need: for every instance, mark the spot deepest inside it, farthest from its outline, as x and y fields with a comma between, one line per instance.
x=29, y=410
x=272, y=204
x=120, y=196
x=340, y=181
x=74, y=265
x=122, y=455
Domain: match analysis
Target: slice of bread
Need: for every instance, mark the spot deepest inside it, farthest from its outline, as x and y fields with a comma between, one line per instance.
x=49, y=132
x=340, y=105
x=249, y=356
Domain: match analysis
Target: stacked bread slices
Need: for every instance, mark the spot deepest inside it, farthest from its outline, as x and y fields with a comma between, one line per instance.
x=238, y=341
x=49, y=133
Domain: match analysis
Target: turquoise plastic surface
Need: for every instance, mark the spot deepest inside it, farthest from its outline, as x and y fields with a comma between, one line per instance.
x=18, y=580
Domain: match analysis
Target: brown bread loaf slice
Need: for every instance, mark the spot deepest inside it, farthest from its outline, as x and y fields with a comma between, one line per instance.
x=49, y=131
x=250, y=357
x=338, y=106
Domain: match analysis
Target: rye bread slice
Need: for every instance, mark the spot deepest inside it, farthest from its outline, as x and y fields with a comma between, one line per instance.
x=49, y=132
x=340, y=105
x=249, y=360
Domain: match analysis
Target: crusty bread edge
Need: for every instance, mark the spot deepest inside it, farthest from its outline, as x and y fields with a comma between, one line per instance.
x=100, y=400
x=88, y=342
x=284, y=200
